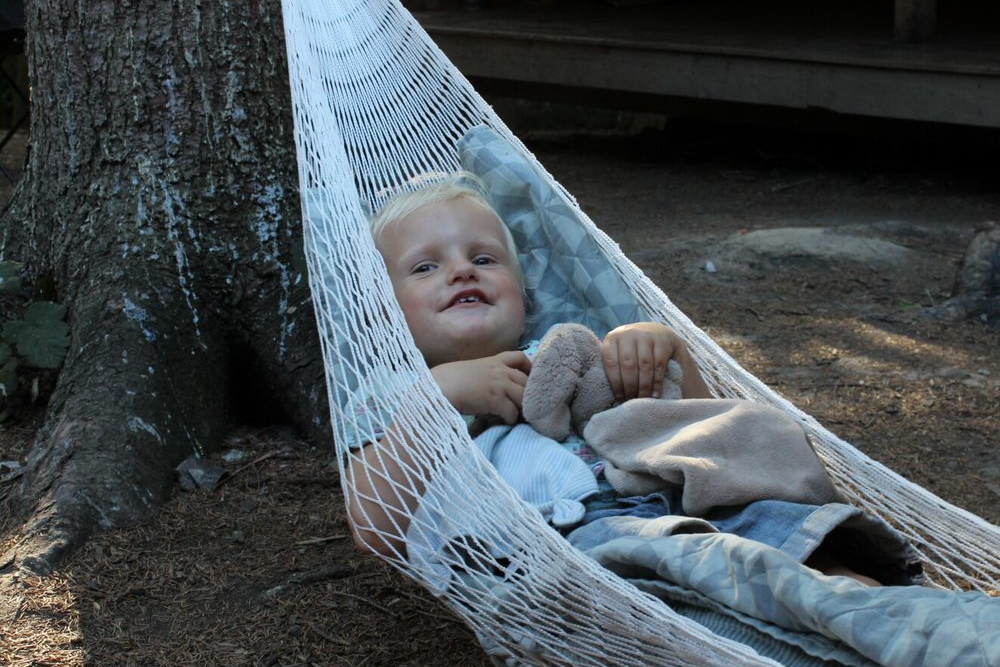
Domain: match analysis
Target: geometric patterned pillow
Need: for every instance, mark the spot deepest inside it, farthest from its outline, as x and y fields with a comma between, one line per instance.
x=568, y=276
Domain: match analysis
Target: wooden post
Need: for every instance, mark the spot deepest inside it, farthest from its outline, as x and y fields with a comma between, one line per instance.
x=915, y=20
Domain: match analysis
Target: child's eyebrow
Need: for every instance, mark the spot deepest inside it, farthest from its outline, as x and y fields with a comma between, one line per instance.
x=412, y=255
x=492, y=246
x=493, y=242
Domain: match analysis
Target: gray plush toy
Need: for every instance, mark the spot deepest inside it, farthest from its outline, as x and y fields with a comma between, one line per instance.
x=567, y=384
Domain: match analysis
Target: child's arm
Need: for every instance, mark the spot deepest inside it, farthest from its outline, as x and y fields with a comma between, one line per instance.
x=636, y=356
x=378, y=527
x=385, y=470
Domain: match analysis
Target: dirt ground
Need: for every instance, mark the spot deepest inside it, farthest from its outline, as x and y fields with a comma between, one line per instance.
x=261, y=571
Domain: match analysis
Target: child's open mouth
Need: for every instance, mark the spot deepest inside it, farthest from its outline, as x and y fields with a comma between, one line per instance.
x=467, y=297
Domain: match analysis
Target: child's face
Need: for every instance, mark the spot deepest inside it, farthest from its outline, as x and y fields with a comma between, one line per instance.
x=458, y=286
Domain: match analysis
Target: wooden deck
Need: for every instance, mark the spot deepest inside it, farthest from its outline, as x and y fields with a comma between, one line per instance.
x=837, y=56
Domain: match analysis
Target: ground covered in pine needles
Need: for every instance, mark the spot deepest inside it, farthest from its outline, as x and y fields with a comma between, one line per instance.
x=261, y=571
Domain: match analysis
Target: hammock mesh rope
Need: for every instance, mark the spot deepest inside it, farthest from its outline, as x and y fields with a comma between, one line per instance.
x=375, y=103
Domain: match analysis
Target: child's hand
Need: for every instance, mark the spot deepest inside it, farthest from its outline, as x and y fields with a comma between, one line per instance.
x=488, y=386
x=636, y=356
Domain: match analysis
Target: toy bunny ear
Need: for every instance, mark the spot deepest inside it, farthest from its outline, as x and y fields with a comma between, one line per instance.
x=553, y=382
x=551, y=422
x=593, y=395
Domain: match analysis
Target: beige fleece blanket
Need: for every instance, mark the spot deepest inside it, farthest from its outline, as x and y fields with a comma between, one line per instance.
x=722, y=452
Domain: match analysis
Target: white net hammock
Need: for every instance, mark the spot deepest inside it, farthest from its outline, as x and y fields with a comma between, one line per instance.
x=375, y=104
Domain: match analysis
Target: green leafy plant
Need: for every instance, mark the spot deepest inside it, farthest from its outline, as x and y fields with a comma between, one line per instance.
x=10, y=279
x=38, y=339
x=42, y=337
x=8, y=370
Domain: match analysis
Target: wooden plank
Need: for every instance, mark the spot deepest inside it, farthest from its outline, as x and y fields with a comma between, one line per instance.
x=804, y=32
x=870, y=90
x=916, y=20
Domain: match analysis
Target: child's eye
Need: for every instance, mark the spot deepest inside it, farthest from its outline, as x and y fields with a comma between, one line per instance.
x=483, y=260
x=423, y=268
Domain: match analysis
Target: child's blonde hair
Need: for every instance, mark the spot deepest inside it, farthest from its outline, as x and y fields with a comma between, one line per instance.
x=436, y=188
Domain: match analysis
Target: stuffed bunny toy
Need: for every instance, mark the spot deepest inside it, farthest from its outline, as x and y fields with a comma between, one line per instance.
x=568, y=385
x=713, y=448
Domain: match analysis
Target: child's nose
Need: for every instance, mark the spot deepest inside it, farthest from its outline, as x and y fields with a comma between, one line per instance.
x=463, y=270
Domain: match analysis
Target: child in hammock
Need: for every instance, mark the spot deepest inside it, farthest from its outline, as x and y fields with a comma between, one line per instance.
x=454, y=269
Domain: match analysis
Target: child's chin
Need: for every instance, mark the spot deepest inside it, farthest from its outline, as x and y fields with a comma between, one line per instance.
x=467, y=323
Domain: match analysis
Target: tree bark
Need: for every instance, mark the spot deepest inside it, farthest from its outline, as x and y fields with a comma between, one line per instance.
x=160, y=201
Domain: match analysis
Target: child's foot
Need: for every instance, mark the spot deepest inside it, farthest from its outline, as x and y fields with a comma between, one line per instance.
x=828, y=565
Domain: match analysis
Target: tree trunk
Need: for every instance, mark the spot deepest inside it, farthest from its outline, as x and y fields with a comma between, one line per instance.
x=160, y=200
